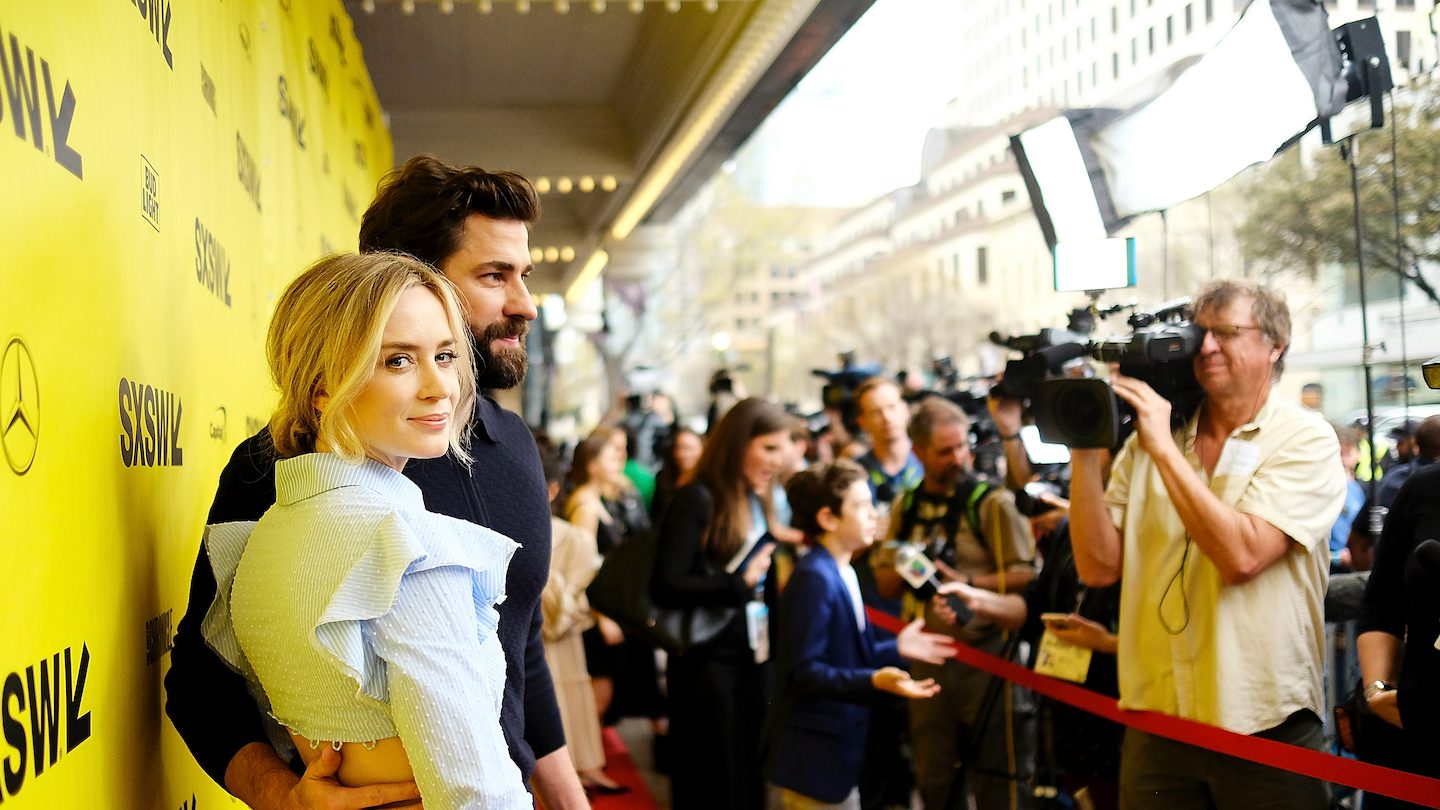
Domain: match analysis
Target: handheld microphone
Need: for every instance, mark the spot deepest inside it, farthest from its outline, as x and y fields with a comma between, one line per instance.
x=917, y=570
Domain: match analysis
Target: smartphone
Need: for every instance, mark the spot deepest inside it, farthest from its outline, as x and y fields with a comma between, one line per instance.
x=1060, y=621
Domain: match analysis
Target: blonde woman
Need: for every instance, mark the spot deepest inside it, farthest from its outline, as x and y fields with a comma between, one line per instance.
x=368, y=623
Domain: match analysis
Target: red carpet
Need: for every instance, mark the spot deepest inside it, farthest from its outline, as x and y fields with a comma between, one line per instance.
x=620, y=767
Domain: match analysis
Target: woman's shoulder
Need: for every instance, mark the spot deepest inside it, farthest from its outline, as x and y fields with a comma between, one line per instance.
x=693, y=495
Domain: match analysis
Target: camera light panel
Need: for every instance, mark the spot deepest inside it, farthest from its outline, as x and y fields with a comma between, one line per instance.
x=1094, y=264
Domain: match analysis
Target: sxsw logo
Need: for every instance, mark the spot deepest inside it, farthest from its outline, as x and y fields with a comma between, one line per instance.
x=149, y=426
x=35, y=714
x=156, y=13
x=22, y=79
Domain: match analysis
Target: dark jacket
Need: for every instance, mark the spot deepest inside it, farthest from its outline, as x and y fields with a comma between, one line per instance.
x=503, y=489
x=815, y=734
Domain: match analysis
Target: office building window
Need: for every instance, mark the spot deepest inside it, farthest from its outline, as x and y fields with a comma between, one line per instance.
x=1169, y=30
x=1366, y=4
x=1150, y=38
x=982, y=268
x=1132, y=9
x=1404, y=3
x=1114, y=64
x=1402, y=48
x=1114, y=19
x=1209, y=10
x=1134, y=51
x=1189, y=17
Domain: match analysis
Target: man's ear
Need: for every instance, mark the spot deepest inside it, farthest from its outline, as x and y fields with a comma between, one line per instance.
x=828, y=520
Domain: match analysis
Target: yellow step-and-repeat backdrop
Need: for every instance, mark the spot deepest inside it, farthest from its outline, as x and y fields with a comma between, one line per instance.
x=166, y=166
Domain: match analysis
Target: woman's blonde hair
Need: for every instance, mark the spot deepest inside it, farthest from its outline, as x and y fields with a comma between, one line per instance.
x=325, y=340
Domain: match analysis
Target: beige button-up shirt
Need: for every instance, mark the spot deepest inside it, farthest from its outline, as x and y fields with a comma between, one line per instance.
x=1243, y=657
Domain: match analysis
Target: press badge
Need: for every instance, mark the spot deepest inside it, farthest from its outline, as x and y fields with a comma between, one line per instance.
x=1061, y=659
x=1237, y=457
x=757, y=629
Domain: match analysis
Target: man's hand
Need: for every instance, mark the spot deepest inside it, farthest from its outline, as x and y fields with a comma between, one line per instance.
x=1082, y=632
x=318, y=789
x=1386, y=706
x=1152, y=412
x=895, y=681
x=609, y=630
x=1048, y=521
x=1006, y=412
x=917, y=644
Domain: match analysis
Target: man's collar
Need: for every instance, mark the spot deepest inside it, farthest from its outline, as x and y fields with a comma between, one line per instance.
x=483, y=420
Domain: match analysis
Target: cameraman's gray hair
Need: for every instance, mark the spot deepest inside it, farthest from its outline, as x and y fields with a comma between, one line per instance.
x=934, y=413
x=1267, y=307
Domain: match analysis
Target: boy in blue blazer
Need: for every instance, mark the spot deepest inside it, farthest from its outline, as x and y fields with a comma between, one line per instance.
x=828, y=660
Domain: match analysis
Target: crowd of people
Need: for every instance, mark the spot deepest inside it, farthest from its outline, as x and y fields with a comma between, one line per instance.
x=391, y=603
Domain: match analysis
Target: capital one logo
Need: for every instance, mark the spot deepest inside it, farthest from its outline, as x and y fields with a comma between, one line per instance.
x=19, y=406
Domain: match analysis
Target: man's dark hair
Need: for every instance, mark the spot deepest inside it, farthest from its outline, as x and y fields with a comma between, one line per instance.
x=817, y=487
x=421, y=207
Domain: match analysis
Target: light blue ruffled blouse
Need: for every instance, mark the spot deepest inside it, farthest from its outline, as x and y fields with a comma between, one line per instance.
x=362, y=616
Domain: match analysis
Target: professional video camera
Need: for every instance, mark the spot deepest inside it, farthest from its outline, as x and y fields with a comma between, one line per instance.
x=839, y=390
x=1158, y=351
x=1045, y=352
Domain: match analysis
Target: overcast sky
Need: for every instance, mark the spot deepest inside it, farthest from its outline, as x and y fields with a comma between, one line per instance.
x=854, y=128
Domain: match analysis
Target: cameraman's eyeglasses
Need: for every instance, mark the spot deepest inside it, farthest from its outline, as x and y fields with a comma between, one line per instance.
x=1226, y=332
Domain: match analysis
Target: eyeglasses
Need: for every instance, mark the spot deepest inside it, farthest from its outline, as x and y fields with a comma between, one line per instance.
x=1226, y=332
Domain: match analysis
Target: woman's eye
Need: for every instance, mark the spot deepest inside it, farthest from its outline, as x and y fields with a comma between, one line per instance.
x=445, y=358
x=398, y=361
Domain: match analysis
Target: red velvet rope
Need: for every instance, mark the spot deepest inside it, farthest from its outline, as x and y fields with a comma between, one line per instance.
x=1364, y=776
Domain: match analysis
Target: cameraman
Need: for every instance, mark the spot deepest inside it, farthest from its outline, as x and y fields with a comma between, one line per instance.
x=1219, y=529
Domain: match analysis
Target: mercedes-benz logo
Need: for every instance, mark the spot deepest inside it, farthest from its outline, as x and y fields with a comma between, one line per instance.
x=19, y=406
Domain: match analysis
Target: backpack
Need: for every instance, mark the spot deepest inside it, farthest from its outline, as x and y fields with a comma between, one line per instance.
x=965, y=501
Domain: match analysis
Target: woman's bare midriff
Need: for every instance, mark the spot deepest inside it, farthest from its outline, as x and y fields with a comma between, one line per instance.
x=364, y=764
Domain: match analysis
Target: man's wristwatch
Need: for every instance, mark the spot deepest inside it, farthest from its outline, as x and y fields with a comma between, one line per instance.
x=1374, y=688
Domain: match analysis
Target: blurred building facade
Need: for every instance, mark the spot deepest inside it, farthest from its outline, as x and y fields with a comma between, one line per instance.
x=931, y=270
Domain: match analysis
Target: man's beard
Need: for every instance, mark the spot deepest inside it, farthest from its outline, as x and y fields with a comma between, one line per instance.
x=505, y=368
